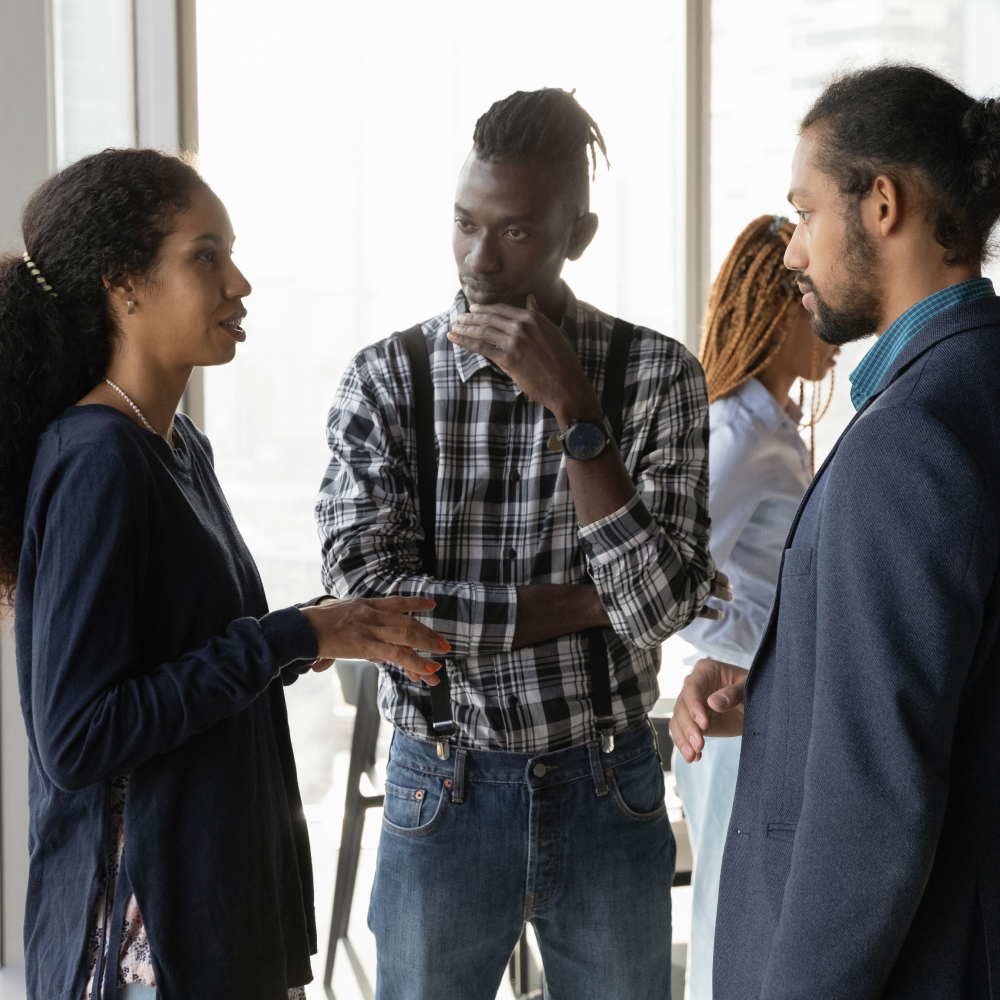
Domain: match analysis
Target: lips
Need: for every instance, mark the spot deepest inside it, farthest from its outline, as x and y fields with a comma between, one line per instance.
x=233, y=327
x=481, y=292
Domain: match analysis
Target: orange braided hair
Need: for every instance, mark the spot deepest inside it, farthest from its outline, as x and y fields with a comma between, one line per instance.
x=745, y=323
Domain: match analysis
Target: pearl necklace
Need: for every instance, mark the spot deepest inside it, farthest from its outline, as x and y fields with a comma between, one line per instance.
x=130, y=403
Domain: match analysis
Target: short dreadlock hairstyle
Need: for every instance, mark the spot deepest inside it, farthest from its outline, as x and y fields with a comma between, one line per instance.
x=547, y=126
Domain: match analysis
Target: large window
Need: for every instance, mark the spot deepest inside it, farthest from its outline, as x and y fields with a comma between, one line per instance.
x=335, y=139
x=93, y=76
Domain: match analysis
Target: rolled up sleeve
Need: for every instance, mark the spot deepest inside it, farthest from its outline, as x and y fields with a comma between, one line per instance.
x=650, y=559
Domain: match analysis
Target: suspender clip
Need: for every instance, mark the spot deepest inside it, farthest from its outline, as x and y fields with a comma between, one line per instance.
x=606, y=730
x=443, y=730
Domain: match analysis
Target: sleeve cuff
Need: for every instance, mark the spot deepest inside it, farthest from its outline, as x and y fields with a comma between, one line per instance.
x=290, y=636
x=613, y=536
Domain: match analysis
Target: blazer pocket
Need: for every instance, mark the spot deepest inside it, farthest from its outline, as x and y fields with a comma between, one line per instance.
x=797, y=562
x=781, y=831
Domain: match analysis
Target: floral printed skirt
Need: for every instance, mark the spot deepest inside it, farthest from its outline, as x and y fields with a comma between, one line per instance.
x=135, y=962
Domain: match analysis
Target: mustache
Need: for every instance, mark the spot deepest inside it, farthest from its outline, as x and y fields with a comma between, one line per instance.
x=804, y=282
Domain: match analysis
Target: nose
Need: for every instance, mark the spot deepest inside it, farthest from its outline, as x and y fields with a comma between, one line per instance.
x=796, y=255
x=484, y=257
x=237, y=286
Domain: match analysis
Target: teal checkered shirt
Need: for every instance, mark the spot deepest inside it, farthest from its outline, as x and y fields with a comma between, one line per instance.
x=866, y=377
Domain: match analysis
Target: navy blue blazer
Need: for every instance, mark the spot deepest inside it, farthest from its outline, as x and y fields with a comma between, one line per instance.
x=863, y=856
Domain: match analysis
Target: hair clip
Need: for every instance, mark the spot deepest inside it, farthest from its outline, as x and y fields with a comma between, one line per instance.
x=37, y=275
x=777, y=225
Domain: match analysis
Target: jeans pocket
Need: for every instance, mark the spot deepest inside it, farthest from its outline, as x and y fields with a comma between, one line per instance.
x=402, y=805
x=637, y=788
x=415, y=802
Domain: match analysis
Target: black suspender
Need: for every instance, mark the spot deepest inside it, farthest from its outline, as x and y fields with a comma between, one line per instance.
x=612, y=402
x=423, y=421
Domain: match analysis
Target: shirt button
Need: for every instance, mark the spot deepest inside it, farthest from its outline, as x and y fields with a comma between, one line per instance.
x=515, y=476
x=539, y=770
x=512, y=700
x=587, y=547
x=510, y=553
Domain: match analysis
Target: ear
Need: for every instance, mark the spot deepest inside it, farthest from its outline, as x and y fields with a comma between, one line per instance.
x=119, y=288
x=885, y=208
x=584, y=230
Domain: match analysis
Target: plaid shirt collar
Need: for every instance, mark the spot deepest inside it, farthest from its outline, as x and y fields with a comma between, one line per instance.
x=866, y=377
x=468, y=362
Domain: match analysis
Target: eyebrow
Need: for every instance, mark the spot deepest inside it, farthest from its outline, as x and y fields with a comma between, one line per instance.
x=211, y=237
x=793, y=194
x=505, y=221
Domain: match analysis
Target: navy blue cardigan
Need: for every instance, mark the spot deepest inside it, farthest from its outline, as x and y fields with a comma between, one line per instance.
x=144, y=647
x=863, y=856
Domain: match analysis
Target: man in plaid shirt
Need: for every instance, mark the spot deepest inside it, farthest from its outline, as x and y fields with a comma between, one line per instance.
x=533, y=546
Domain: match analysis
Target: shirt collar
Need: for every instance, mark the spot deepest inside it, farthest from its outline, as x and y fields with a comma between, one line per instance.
x=764, y=406
x=866, y=377
x=469, y=362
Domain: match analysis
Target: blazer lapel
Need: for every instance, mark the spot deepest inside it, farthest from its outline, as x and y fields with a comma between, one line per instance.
x=960, y=319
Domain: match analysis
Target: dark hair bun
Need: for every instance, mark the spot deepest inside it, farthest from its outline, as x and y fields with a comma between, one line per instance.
x=981, y=125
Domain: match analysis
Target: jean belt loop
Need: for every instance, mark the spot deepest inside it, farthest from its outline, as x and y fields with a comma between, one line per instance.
x=600, y=785
x=458, y=782
x=656, y=742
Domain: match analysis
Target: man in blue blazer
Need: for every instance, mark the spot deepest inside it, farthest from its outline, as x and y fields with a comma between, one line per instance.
x=863, y=856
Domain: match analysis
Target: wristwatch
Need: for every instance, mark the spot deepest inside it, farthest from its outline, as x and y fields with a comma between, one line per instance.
x=583, y=439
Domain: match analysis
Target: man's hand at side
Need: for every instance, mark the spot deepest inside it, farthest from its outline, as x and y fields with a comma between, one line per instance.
x=710, y=704
x=720, y=591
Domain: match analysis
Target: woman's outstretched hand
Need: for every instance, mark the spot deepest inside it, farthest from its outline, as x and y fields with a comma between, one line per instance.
x=710, y=704
x=377, y=628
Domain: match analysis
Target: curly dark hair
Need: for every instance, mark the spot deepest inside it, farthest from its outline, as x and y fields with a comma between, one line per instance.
x=102, y=216
x=548, y=126
x=894, y=120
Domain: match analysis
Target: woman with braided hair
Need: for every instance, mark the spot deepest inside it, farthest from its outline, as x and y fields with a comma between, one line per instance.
x=757, y=342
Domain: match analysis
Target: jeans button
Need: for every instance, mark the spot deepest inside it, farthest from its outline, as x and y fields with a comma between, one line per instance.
x=539, y=770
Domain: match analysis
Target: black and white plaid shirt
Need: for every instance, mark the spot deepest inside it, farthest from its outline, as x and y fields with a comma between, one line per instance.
x=505, y=517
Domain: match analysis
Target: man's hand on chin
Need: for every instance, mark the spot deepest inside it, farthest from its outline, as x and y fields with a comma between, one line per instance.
x=710, y=704
x=534, y=352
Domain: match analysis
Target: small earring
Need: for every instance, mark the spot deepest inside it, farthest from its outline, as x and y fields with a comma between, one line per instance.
x=131, y=308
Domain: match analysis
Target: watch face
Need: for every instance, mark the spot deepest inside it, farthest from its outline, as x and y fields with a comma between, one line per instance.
x=585, y=440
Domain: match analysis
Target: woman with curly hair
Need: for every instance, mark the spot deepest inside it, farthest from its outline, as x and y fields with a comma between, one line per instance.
x=168, y=848
x=757, y=343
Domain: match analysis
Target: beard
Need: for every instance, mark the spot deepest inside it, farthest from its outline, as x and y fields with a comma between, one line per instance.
x=859, y=308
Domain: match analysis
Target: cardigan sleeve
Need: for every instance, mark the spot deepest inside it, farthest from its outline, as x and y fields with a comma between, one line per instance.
x=98, y=710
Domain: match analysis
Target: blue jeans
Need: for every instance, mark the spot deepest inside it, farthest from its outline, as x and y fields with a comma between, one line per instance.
x=707, y=790
x=576, y=841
